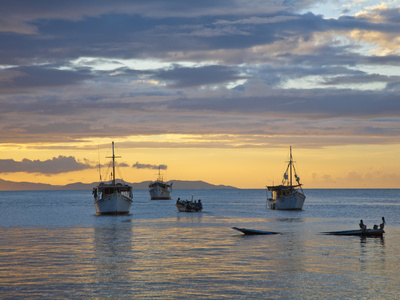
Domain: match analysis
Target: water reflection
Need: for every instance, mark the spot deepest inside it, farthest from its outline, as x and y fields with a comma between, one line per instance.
x=127, y=258
x=113, y=257
x=289, y=220
x=192, y=217
x=364, y=239
x=195, y=256
x=45, y=262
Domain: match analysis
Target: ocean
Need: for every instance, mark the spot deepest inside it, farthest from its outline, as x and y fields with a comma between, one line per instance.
x=53, y=246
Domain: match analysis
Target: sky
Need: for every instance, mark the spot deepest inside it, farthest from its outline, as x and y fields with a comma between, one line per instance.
x=206, y=90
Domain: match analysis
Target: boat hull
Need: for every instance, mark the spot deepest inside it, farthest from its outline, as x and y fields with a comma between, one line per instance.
x=358, y=232
x=247, y=231
x=189, y=206
x=292, y=201
x=115, y=204
x=159, y=193
x=183, y=208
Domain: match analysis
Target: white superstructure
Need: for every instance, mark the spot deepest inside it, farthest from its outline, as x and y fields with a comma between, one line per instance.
x=160, y=190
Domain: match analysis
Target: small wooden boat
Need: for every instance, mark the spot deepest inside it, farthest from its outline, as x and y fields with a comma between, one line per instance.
x=254, y=231
x=189, y=206
x=359, y=232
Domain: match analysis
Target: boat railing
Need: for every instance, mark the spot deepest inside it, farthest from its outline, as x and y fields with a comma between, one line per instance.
x=99, y=193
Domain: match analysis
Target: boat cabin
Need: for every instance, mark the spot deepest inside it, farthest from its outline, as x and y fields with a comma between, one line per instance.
x=279, y=191
x=108, y=189
x=162, y=184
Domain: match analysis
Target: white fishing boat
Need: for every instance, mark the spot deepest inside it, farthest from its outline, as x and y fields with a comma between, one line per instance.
x=112, y=198
x=287, y=196
x=160, y=190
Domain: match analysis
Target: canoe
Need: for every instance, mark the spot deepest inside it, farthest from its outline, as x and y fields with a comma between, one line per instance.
x=254, y=231
x=359, y=232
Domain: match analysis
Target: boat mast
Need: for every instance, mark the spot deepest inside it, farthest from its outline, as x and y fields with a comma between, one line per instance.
x=113, y=158
x=159, y=173
x=290, y=163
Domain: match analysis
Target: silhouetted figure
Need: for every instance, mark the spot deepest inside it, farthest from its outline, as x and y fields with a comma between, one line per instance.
x=383, y=223
x=362, y=226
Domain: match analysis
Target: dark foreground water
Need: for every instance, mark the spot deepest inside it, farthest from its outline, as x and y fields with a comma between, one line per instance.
x=53, y=246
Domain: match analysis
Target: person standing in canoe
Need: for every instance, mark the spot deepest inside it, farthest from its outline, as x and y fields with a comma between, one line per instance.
x=362, y=226
x=381, y=226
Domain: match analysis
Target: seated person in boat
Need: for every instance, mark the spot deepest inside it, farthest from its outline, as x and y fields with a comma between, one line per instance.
x=381, y=226
x=362, y=226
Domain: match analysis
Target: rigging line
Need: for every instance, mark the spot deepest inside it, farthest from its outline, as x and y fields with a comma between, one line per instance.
x=108, y=165
x=98, y=153
x=118, y=167
x=119, y=171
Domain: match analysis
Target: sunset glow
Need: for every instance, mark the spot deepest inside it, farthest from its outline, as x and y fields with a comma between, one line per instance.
x=214, y=90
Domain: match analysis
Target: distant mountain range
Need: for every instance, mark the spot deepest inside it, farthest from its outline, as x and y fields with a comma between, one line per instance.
x=144, y=185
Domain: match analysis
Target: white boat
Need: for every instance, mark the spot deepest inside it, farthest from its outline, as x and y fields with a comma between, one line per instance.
x=112, y=198
x=160, y=190
x=287, y=196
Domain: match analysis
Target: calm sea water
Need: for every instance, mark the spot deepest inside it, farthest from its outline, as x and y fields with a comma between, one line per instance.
x=53, y=246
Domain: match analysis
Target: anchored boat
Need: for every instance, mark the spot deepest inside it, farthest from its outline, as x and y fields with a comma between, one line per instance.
x=359, y=232
x=287, y=196
x=189, y=206
x=248, y=231
x=376, y=231
x=112, y=198
x=160, y=190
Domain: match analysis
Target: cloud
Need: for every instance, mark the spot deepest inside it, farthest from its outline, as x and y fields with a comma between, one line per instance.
x=123, y=165
x=20, y=79
x=362, y=79
x=181, y=77
x=73, y=71
x=20, y=17
x=138, y=165
x=121, y=29
x=375, y=177
x=56, y=165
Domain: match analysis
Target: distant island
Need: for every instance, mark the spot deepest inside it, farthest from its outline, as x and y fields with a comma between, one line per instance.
x=144, y=185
